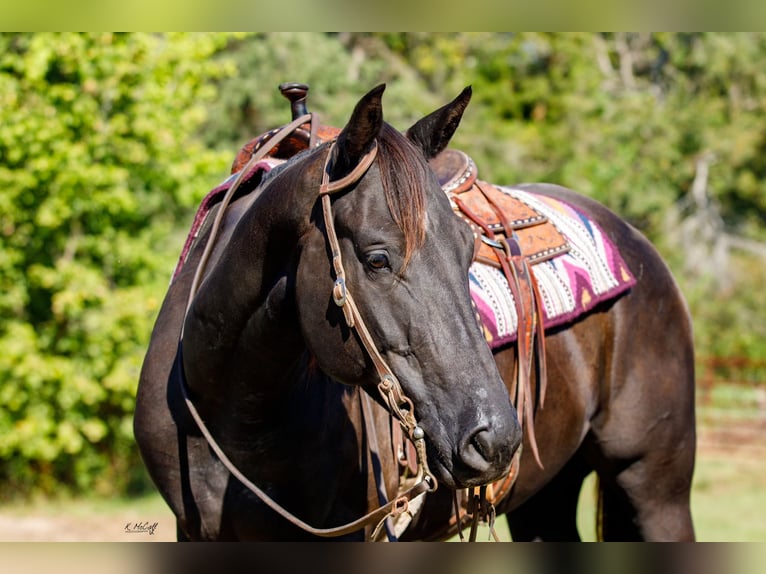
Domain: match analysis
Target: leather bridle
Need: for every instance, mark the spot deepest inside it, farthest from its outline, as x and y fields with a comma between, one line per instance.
x=389, y=387
x=399, y=405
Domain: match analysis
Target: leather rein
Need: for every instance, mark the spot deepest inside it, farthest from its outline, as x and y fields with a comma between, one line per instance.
x=399, y=405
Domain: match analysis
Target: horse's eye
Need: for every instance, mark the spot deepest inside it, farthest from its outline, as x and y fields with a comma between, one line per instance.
x=377, y=260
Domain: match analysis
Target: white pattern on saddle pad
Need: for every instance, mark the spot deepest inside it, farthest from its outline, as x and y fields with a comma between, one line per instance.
x=570, y=284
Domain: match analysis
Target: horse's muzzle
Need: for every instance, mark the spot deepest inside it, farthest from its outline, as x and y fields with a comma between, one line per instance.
x=483, y=455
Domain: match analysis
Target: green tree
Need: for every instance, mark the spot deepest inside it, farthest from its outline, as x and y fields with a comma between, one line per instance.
x=98, y=159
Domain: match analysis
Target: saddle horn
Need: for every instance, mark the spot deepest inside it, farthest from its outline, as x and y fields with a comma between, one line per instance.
x=296, y=93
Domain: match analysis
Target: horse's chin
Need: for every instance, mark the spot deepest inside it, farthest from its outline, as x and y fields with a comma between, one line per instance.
x=443, y=476
x=456, y=481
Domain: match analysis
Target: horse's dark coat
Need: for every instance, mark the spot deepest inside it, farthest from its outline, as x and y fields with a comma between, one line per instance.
x=276, y=373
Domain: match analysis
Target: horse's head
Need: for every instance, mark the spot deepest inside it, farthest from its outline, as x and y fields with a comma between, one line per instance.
x=406, y=257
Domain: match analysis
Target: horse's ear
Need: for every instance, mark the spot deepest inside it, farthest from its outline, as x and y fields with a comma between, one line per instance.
x=433, y=132
x=356, y=138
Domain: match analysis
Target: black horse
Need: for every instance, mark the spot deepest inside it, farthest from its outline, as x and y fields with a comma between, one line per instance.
x=344, y=276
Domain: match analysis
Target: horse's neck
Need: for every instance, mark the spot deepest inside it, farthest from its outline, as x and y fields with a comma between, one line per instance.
x=241, y=324
x=307, y=438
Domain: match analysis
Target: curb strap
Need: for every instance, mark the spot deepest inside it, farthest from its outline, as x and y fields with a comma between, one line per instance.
x=481, y=507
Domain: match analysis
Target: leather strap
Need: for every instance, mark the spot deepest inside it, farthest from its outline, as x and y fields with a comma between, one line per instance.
x=526, y=296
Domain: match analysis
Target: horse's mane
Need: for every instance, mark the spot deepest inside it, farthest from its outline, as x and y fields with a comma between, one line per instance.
x=404, y=175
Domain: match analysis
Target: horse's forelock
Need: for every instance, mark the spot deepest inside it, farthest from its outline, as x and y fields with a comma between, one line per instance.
x=403, y=175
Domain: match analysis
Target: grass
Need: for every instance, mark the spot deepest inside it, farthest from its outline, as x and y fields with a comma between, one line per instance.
x=728, y=501
x=728, y=496
x=728, y=504
x=87, y=507
x=731, y=401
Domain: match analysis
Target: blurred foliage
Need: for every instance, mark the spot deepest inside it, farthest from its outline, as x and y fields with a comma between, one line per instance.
x=339, y=68
x=98, y=164
x=109, y=141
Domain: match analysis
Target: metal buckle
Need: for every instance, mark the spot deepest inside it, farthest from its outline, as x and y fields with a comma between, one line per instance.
x=492, y=242
x=339, y=293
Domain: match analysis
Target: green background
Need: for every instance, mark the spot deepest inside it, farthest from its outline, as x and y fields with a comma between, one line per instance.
x=109, y=141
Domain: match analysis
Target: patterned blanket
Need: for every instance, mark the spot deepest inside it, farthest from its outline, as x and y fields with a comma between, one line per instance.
x=570, y=284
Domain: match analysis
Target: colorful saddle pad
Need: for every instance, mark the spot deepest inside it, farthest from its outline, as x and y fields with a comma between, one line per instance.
x=570, y=284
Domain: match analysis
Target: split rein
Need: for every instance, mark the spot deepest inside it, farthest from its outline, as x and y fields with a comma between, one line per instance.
x=399, y=405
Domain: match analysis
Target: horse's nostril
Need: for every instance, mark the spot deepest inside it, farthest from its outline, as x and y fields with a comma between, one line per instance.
x=479, y=450
x=485, y=454
x=482, y=441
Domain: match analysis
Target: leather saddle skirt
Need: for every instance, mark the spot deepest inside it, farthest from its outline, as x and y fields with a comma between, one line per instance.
x=495, y=215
